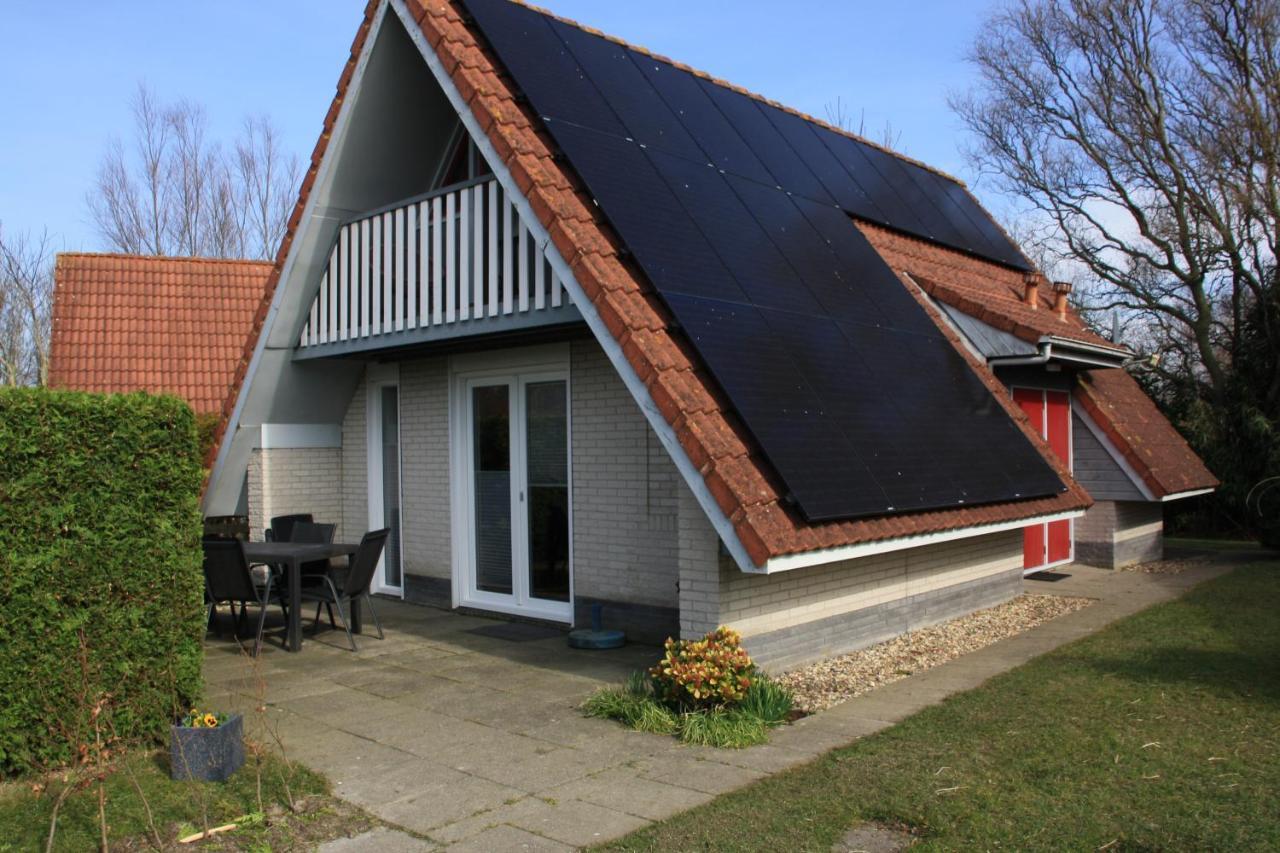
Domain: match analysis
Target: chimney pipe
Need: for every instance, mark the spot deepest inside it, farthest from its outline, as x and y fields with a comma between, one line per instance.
x=1031, y=289
x=1061, y=290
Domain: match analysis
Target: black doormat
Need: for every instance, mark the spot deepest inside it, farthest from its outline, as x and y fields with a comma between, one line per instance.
x=1051, y=577
x=516, y=632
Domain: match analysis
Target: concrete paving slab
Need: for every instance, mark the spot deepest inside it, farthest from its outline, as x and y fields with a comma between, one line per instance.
x=507, y=838
x=445, y=796
x=623, y=790
x=578, y=823
x=380, y=840
x=698, y=773
x=767, y=758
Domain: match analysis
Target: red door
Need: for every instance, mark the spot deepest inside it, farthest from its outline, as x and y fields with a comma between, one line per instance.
x=1050, y=414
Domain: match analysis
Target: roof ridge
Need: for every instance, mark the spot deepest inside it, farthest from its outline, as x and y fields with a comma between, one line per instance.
x=733, y=87
x=131, y=256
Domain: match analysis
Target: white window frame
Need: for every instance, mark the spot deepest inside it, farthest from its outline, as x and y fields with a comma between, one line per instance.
x=518, y=368
x=382, y=376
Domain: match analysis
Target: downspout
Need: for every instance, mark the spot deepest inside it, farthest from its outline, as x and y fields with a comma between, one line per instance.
x=1046, y=353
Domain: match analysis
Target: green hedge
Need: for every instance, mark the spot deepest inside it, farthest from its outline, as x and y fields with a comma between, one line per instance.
x=99, y=565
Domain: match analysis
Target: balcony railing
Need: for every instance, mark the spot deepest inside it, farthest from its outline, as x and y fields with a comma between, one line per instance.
x=443, y=261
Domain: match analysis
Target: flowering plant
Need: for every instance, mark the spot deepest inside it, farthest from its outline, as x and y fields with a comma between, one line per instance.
x=711, y=672
x=197, y=719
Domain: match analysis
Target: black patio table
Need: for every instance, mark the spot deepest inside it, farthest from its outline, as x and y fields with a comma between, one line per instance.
x=292, y=555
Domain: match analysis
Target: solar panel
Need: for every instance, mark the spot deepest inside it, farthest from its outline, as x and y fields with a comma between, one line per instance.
x=768, y=144
x=738, y=213
x=640, y=108
x=835, y=178
x=852, y=155
x=714, y=134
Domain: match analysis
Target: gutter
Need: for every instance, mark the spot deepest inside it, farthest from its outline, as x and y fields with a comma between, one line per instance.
x=804, y=559
x=1066, y=350
x=1043, y=357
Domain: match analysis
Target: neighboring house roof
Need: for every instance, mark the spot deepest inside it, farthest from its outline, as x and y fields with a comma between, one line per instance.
x=731, y=464
x=165, y=325
x=1113, y=399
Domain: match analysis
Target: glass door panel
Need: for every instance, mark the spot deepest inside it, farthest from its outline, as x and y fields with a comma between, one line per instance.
x=491, y=487
x=391, y=484
x=547, y=478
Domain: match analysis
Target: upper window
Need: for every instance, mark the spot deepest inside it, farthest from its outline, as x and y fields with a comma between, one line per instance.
x=464, y=163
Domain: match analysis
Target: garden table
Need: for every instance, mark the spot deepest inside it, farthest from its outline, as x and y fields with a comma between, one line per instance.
x=292, y=555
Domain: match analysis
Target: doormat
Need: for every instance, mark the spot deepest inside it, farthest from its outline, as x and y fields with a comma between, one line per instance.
x=516, y=632
x=1051, y=577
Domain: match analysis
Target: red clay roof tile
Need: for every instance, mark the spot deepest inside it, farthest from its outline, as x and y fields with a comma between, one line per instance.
x=164, y=325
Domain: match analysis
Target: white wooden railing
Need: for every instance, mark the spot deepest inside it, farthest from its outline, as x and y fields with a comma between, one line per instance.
x=458, y=255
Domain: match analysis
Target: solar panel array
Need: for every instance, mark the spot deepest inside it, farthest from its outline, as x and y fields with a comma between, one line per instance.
x=738, y=213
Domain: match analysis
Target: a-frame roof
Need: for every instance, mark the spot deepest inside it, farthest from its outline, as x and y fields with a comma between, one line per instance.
x=729, y=462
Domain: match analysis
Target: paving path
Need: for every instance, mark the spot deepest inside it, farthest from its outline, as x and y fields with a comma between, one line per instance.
x=465, y=733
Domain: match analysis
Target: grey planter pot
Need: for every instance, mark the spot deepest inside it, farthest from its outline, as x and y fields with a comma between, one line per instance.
x=207, y=755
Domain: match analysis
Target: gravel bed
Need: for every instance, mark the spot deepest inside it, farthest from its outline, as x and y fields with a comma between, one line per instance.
x=1165, y=567
x=830, y=682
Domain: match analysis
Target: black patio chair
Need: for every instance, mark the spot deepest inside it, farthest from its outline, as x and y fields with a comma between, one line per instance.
x=320, y=534
x=354, y=587
x=228, y=580
x=282, y=525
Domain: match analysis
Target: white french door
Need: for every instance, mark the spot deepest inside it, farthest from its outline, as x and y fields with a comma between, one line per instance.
x=383, y=413
x=513, y=492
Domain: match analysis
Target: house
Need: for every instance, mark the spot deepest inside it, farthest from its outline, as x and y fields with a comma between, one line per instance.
x=164, y=325
x=582, y=325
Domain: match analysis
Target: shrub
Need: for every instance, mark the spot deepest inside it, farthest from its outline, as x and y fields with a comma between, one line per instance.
x=699, y=674
x=100, y=582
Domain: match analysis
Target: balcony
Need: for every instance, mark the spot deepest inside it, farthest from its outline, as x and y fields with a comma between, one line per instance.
x=457, y=262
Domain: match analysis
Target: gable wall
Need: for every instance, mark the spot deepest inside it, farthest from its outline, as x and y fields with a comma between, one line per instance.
x=1097, y=471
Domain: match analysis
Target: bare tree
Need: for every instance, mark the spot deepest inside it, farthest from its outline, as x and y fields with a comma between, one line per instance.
x=268, y=179
x=26, y=295
x=1145, y=136
x=839, y=115
x=175, y=191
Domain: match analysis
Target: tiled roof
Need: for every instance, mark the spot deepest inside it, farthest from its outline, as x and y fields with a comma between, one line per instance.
x=1113, y=398
x=735, y=472
x=172, y=325
x=1146, y=439
x=979, y=288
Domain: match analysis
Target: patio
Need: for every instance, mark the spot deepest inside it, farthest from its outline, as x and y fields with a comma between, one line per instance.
x=457, y=723
x=465, y=729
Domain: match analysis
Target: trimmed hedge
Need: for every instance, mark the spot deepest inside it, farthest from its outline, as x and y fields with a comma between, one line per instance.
x=101, y=588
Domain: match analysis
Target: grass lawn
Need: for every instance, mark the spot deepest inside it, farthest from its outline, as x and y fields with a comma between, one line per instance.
x=1212, y=544
x=1160, y=733
x=177, y=809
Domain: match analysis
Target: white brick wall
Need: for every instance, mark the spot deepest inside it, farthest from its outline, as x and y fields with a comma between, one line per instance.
x=714, y=592
x=283, y=481
x=424, y=466
x=624, y=491
x=1119, y=533
x=355, y=468
x=699, y=561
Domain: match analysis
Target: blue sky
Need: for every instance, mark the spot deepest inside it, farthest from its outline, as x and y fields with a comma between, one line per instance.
x=75, y=64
